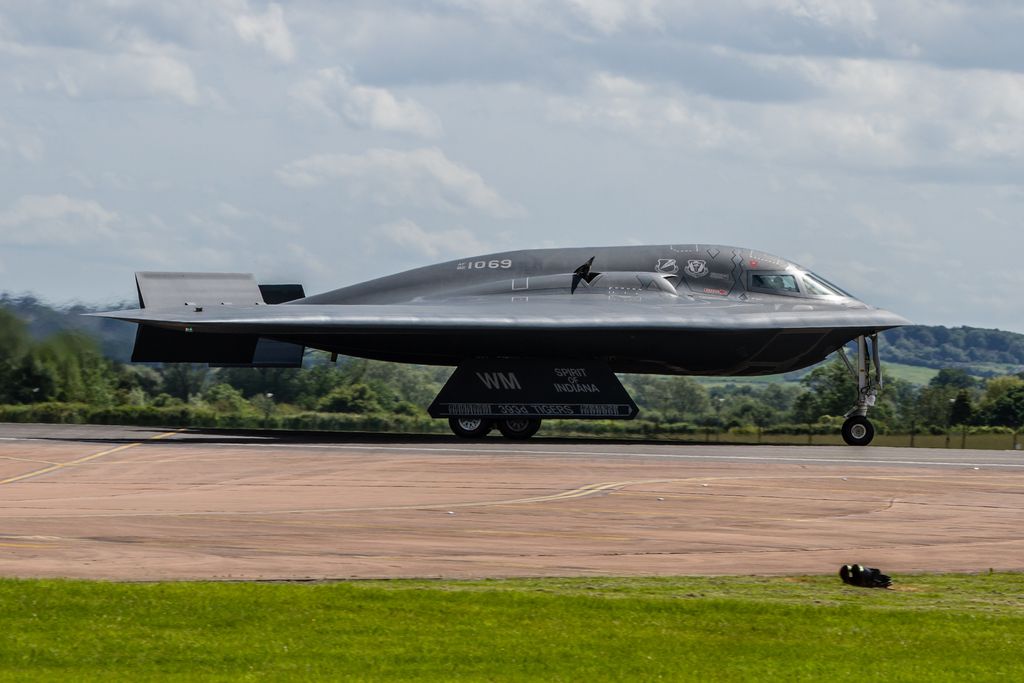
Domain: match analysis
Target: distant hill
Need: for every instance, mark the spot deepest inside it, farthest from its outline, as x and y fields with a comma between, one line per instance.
x=114, y=337
x=978, y=351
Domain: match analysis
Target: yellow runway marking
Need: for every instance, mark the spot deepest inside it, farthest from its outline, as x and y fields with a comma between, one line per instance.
x=13, y=459
x=79, y=461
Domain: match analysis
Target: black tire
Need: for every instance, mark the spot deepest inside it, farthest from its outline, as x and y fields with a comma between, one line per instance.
x=858, y=431
x=518, y=427
x=470, y=427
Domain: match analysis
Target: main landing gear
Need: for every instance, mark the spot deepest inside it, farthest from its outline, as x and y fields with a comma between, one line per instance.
x=479, y=427
x=858, y=430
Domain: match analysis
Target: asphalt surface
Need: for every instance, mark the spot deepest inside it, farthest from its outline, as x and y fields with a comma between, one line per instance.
x=563, y=447
x=143, y=504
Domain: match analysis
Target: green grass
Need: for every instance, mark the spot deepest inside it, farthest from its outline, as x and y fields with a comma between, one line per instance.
x=945, y=627
x=1001, y=442
x=915, y=374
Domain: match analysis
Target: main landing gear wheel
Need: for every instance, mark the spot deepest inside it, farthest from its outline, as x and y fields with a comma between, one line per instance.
x=519, y=427
x=858, y=431
x=470, y=427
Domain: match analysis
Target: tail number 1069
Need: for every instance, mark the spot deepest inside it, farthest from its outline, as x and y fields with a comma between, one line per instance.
x=495, y=264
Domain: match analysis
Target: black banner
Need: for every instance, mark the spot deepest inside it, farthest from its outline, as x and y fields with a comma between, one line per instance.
x=546, y=389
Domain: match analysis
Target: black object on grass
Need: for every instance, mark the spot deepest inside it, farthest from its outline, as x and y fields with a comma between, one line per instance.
x=865, y=577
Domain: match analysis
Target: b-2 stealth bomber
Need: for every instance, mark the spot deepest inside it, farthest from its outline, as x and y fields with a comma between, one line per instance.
x=534, y=334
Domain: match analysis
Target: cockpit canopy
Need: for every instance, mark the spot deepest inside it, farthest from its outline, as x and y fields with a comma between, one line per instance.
x=791, y=283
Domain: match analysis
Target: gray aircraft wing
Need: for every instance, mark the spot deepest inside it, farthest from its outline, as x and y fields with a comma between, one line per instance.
x=720, y=312
x=572, y=314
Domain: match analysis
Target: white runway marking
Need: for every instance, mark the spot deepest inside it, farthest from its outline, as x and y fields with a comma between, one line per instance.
x=629, y=454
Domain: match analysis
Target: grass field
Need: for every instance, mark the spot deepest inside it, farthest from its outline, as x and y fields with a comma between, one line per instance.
x=943, y=627
x=985, y=441
x=915, y=374
x=999, y=442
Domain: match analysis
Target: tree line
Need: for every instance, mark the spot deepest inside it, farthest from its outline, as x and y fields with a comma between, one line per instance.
x=945, y=347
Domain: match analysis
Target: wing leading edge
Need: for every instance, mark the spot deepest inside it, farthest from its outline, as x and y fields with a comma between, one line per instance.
x=496, y=316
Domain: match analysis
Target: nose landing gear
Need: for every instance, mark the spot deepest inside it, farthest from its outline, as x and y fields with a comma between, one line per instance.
x=858, y=430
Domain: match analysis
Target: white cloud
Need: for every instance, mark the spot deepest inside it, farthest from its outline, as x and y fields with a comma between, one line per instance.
x=57, y=220
x=21, y=143
x=214, y=230
x=609, y=16
x=233, y=226
x=269, y=30
x=390, y=177
x=231, y=213
x=898, y=234
x=907, y=113
x=867, y=114
x=334, y=93
x=407, y=235
x=856, y=15
x=601, y=16
x=145, y=70
x=133, y=48
x=649, y=110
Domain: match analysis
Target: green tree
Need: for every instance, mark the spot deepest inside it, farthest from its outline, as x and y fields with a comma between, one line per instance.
x=32, y=381
x=138, y=379
x=224, y=398
x=897, y=404
x=353, y=398
x=953, y=377
x=83, y=374
x=286, y=384
x=184, y=380
x=805, y=409
x=317, y=382
x=935, y=404
x=962, y=408
x=14, y=342
x=833, y=389
x=751, y=411
x=996, y=387
x=671, y=397
x=1007, y=410
x=397, y=383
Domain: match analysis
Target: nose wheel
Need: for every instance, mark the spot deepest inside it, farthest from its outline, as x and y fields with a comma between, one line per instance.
x=858, y=430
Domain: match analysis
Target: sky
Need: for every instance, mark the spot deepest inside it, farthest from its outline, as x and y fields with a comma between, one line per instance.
x=880, y=144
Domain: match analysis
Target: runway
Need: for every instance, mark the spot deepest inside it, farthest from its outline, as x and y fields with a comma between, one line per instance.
x=131, y=503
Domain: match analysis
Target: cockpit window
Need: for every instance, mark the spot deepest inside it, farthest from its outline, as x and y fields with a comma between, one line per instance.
x=817, y=287
x=778, y=282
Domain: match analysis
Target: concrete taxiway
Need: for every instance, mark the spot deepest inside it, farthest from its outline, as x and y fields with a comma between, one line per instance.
x=145, y=504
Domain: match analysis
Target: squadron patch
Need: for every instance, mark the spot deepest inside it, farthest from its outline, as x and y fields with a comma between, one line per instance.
x=667, y=265
x=696, y=268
